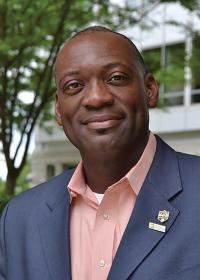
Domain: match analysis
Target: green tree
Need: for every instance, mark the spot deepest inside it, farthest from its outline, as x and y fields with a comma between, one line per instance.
x=31, y=34
x=4, y=198
x=24, y=179
x=23, y=183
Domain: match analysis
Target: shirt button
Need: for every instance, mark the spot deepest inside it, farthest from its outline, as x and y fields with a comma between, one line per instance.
x=101, y=263
x=106, y=216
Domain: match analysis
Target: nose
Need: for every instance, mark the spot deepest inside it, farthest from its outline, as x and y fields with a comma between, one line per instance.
x=97, y=96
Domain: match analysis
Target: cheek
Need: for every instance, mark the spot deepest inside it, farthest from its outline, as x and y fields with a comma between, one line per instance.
x=68, y=115
x=137, y=109
x=132, y=102
x=71, y=132
x=68, y=109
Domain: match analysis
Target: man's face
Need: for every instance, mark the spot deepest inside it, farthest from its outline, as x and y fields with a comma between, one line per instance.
x=102, y=95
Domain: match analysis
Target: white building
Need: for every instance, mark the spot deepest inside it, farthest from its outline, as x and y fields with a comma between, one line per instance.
x=177, y=122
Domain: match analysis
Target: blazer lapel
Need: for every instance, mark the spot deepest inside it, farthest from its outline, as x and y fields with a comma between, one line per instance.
x=54, y=230
x=161, y=184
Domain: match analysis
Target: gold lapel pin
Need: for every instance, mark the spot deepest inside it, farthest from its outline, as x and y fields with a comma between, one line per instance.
x=163, y=216
x=157, y=227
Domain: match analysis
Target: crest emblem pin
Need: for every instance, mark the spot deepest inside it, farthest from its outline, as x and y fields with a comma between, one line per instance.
x=163, y=216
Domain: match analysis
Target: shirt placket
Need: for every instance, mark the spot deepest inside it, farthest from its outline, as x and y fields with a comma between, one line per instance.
x=104, y=231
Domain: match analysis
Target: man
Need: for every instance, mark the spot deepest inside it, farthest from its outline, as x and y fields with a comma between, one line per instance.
x=130, y=210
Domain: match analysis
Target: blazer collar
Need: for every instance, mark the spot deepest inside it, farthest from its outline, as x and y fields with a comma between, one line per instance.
x=162, y=183
x=164, y=172
x=54, y=227
x=57, y=189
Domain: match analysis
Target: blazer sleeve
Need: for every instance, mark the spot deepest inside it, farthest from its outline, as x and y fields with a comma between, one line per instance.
x=2, y=246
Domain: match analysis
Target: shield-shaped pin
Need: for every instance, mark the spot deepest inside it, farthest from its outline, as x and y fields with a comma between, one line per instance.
x=163, y=216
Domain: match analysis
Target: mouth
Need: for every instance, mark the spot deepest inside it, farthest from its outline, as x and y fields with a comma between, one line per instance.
x=103, y=121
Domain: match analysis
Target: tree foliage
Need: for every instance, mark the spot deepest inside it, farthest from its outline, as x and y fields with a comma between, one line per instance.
x=31, y=34
x=22, y=184
x=4, y=198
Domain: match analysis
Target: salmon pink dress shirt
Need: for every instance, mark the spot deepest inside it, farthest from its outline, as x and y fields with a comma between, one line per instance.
x=96, y=228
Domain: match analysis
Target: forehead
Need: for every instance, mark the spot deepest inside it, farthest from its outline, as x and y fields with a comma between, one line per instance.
x=98, y=48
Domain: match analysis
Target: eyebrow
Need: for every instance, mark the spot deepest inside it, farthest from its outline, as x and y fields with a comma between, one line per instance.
x=116, y=64
x=107, y=66
x=69, y=74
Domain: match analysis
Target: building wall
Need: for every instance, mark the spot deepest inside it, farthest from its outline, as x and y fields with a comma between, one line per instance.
x=52, y=150
x=179, y=126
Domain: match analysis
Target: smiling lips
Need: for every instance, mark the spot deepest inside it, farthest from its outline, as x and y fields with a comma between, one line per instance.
x=102, y=122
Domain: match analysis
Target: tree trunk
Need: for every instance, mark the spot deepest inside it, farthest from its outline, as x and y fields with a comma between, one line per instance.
x=11, y=181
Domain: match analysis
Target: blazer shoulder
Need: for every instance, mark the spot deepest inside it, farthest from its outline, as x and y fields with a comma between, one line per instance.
x=188, y=160
x=189, y=166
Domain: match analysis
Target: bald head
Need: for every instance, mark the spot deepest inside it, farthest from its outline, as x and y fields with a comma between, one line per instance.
x=100, y=29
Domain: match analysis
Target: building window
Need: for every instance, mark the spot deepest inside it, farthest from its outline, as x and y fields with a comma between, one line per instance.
x=50, y=171
x=152, y=60
x=174, y=68
x=167, y=65
x=195, y=66
x=66, y=166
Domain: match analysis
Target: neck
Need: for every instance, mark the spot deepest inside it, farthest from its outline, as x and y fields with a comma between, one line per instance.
x=104, y=169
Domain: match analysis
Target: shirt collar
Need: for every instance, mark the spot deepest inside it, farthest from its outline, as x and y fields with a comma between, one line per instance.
x=138, y=172
x=135, y=176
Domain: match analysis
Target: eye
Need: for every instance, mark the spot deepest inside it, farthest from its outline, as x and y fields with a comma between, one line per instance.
x=73, y=87
x=118, y=79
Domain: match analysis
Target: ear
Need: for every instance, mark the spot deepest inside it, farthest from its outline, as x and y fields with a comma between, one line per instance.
x=151, y=90
x=57, y=110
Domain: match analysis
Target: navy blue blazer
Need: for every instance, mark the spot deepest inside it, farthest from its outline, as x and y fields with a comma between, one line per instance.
x=34, y=231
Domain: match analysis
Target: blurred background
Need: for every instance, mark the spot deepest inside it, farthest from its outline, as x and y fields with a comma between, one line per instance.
x=32, y=147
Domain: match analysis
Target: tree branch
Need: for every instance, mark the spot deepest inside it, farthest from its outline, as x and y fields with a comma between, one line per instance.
x=3, y=115
x=37, y=113
x=50, y=60
x=148, y=10
x=12, y=106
